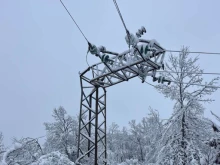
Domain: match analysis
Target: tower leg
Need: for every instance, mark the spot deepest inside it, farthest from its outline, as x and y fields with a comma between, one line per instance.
x=92, y=125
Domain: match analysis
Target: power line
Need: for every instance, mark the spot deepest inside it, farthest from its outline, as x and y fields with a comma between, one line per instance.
x=79, y=30
x=209, y=86
x=150, y=84
x=75, y=22
x=190, y=72
x=120, y=15
x=128, y=34
x=193, y=52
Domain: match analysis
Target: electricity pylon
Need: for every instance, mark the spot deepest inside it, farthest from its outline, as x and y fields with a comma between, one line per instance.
x=143, y=59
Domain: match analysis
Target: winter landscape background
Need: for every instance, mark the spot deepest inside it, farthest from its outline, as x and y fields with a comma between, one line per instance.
x=42, y=53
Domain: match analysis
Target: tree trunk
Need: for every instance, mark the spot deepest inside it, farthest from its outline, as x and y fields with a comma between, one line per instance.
x=183, y=142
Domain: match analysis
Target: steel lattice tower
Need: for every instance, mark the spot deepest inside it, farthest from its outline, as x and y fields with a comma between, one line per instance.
x=141, y=61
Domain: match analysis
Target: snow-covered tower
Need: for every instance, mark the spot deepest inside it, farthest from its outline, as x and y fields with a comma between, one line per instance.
x=142, y=59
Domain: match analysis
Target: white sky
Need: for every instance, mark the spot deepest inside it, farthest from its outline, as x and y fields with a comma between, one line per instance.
x=42, y=52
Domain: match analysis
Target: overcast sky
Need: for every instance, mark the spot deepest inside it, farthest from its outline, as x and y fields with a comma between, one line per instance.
x=42, y=51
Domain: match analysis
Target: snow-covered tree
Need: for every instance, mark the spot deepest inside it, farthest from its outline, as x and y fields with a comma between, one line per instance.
x=113, y=130
x=152, y=128
x=145, y=135
x=23, y=151
x=115, y=142
x=119, y=144
x=209, y=157
x=187, y=129
x=62, y=134
x=138, y=137
x=130, y=162
x=53, y=158
x=214, y=143
x=2, y=149
x=126, y=148
x=136, y=142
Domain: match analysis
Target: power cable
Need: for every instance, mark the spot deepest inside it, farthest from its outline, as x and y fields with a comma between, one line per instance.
x=74, y=22
x=190, y=72
x=122, y=20
x=193, y=52
x=79, y=30
x=150, y=84
x=209, y=86
x=120, y=15
x=87, y=60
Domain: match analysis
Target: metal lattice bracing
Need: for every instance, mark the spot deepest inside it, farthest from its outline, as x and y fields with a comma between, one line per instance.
x=140, y=60
x=92, y=124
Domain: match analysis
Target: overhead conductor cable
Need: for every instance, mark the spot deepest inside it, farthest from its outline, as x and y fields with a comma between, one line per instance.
x=74, y=22
x=89, y=44
x=193, y=52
